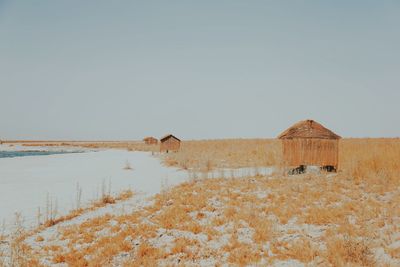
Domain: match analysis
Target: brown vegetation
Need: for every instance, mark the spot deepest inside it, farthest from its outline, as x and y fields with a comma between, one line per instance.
x=234, y=153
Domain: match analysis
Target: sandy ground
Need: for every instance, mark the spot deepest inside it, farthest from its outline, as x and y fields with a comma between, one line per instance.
x=25, y=182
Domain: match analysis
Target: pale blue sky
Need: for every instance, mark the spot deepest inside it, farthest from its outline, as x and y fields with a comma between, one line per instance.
x=199, y=69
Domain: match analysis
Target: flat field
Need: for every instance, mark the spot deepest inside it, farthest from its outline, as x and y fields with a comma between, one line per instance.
x=351, y=218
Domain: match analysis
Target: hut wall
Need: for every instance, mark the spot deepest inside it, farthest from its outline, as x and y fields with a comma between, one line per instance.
x=319, y=152
x=153, y=142
x=150, y=141
x=171, y=144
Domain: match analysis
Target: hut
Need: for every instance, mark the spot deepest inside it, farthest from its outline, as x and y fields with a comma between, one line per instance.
x=170, y=143
x=308, y=143
x=150, y=140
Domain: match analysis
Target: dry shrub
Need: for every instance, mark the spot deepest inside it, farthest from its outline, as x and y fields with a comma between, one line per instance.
x=300, y=249
x=39, y=238
x=17, y=253
x=184, y=246
x=59, y=258
x=172, y=217
x=124, y=195
x=146, y=255
x=263, y=231
x=105, y=199
x=347, y=250
x=230, y=212
x=376, y=161
x=325, y=215
x=394, y=252
x=73, y=258
x=240, y=253
x=192, y=226
x=127, y=166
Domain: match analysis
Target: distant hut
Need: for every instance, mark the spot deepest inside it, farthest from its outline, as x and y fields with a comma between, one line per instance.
x=170, y=143
x=308, y=143
x=150, y=140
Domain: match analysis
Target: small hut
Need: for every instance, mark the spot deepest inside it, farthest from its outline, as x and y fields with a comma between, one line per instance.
x=150, y=140
x=170, y=143
x=308, y=143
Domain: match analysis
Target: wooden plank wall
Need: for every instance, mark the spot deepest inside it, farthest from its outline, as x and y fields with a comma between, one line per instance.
x=151, y=141
x=319, y=152
x=171, y=144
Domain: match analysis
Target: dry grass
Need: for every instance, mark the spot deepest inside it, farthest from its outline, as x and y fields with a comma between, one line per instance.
x=105, y=199
x=16, y=252
x=347, y=250
x=128, y=166
x=377, y=160
x=235, y=153
x=255, y=220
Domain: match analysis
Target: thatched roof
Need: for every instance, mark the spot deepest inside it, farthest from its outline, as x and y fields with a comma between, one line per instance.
x=308, y=129
x=169, y=136
x=149, y=138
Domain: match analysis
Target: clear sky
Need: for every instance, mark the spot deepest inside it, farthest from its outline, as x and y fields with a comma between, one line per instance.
x=199, y=69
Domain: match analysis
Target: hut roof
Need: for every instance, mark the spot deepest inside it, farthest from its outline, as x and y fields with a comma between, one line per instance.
x=162, y=139
x=308, y=129
x=149, y=138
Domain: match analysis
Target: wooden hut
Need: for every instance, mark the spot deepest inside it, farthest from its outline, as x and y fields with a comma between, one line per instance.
x=170, y=143
x=308, y=143
x=150, y=140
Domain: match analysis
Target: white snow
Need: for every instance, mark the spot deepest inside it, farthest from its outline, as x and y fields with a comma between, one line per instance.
x=26, y=181
x=30, y=182
x=288, y=263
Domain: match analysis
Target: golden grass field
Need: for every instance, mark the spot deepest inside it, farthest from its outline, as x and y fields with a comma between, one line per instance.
x=351, y=218
x=359, y=157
